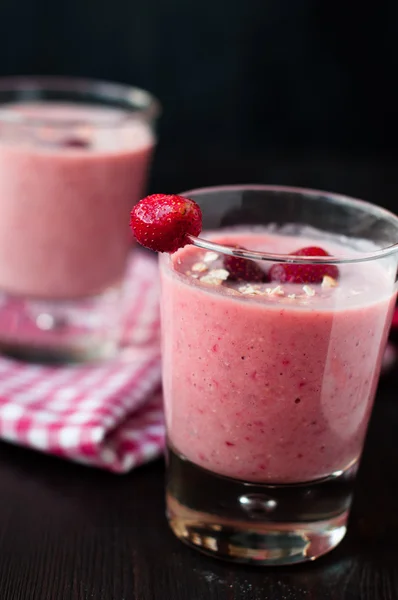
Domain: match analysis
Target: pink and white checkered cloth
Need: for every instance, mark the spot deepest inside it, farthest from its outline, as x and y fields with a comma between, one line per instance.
x=106, y=415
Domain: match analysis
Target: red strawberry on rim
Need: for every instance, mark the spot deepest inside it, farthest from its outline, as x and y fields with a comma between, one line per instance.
x=163, y=222
x=304, y=273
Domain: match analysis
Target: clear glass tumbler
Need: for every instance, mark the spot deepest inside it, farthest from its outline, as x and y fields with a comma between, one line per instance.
x=270, y=368
x=74, y=157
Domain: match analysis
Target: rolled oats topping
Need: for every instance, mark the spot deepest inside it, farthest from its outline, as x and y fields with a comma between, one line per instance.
x=276, y=291
x=329, y=282
x=210, y=257
x=215, y=277
x=308, y=290
x=199, y=267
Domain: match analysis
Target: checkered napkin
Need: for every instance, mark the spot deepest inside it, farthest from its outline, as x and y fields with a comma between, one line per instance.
x=107, y=415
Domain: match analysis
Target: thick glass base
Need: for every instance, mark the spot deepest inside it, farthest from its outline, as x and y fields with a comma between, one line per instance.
x=256, y=523
x=61, y=331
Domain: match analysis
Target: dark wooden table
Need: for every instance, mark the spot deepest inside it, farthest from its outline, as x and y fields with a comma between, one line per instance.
x=71, y=533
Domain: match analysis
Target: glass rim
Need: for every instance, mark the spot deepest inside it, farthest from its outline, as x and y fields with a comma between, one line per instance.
x=288, y=258
x=142, y=102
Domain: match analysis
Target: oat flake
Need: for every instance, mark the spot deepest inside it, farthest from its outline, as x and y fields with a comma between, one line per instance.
x=249, y=289
x=276, y=291
x=309, y=290
x=329, y=282
x=215, y=277
x=210, y=257
x=199, y=267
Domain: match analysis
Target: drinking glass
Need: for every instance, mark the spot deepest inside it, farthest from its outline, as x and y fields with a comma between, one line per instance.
x=74, y=157
x=269, y=385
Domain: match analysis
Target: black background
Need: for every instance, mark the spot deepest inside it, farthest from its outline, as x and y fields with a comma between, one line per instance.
x=274, y=91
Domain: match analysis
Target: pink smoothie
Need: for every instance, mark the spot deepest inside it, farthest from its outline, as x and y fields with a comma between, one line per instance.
x=271, y=385
x=67, y=182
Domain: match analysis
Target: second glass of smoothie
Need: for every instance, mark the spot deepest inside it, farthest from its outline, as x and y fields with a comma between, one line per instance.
x=270, y=365
x=74, y=157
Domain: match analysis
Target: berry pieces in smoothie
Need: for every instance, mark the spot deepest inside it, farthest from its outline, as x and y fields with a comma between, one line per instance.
x=304, y=273
x=163, y=222
x=242, y=269
x=208, y=268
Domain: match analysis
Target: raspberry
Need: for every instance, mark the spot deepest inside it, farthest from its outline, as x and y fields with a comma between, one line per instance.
x=242, y=269
x=304, y=273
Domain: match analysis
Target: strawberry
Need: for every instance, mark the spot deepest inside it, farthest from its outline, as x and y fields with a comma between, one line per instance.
x=163, y=222
x=242, y=269
x=304, y=273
